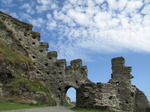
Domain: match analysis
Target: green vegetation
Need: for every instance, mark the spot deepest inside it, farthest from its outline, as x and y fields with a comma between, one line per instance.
x=20, y=84
x=14, y=106
x=12, y=55
x=86, y=110
x=68, y=104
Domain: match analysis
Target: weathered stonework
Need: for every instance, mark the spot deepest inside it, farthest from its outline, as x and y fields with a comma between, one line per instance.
x=117, y=94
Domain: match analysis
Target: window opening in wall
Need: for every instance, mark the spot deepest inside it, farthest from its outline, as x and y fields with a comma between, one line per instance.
x=47, y=73
x=25, y=34
x=71, y=96
x=37, y=72
x=132, y=94
x=27, y=29
x=110, y=97
x=76, y=82
x=34, y=37
x=41, y=50
x=59, y=89
x=33, y=57
x=117, y=83
x=126, y=102
x=60, y=81
x=46, y=64
x=33, y=43
x=20, y=39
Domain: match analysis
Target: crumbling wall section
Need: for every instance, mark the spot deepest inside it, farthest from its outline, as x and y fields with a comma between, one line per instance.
x=116, y=95
x=52, y=72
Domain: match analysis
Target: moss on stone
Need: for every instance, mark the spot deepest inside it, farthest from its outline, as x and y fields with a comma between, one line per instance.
x=12, y=55
x=16, y=86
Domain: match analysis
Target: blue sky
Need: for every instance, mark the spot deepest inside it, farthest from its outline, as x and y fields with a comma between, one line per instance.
x=94, y=30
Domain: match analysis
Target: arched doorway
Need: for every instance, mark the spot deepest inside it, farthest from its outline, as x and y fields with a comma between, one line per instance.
x=70, y=96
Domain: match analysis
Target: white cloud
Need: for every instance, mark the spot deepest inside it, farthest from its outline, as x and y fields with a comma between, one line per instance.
x=14, y=15
x=7, y=2
x=146, y=9
x=44, y=2
x=28, y=8
x=37, y=22
x=91, y=28
x=133, y=5
x=84, y=26
x=44, y=5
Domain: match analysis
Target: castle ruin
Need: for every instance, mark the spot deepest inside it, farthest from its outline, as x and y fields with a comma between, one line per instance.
x=117, y=94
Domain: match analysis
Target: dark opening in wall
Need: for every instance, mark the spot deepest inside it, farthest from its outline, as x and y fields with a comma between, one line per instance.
x=34, y=37
x=41, y=50
x=76, y=82
x=27, y=29
x=37, y=72
x=33, y=57
x=132, y=94
x=59, y=89
x=60, y=81
x=126, y=102
x=46, y=64
x=60, y=73
x=25, y=33
x=47, y=73
x=117, y=83
x=20, y=39
x=33, y=43
x=110, y=97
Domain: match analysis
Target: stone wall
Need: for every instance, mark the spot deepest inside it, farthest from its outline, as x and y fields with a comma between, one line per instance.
x=117, y=94
x=52, y=72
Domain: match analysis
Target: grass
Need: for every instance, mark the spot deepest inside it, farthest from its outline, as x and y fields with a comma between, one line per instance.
x=86, y=110
x=14, y=106
x=15, y=58
x=16, y=84
x=12, y=55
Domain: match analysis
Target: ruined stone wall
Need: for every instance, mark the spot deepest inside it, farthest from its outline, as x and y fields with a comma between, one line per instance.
x=117, y=94
x=52, y=72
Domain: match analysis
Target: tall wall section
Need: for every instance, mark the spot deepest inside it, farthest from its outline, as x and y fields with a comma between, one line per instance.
x=118, y=95
x=52, y=72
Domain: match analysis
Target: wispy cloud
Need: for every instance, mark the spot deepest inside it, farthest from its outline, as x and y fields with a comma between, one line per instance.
x=78, y=28
x=44, y=5
x=28, y=7
x=100, y=26
x=6, y=2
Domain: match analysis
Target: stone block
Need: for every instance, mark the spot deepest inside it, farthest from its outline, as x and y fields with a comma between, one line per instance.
x=76, y=63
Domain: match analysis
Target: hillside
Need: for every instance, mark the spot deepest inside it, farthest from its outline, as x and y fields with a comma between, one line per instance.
x=15, y=71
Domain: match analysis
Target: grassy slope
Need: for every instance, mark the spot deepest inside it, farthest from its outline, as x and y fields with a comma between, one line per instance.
x=14, y=57
x=13, y=106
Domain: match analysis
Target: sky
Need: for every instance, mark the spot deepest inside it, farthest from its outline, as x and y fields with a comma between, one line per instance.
x=93, y=30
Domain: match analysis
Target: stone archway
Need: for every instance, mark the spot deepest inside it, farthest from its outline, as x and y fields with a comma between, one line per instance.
x=70, y=96
x=64, y=94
